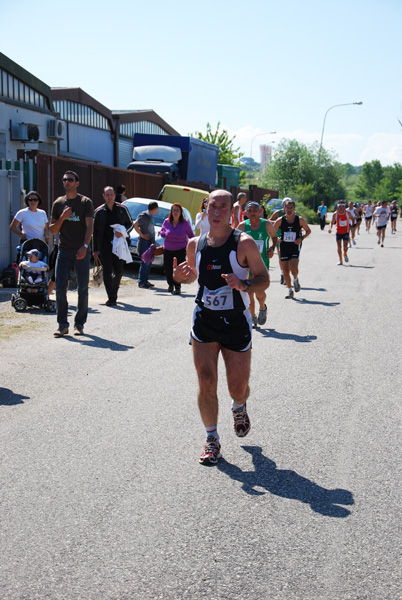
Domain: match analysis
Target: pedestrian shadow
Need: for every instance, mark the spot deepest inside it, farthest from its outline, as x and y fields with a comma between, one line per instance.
x=9, y=398
x=143, y=310
x=73, y=308
x=304, y=301
x=287, y=484
x=314, y=289
x=271, y=333
x=93, y=341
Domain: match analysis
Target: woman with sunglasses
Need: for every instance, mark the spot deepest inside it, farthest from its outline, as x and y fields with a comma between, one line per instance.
x=31, y=222
x=201, y=218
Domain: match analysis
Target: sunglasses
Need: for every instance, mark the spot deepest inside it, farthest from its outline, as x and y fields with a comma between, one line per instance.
x=69, y=179
x=33, y=199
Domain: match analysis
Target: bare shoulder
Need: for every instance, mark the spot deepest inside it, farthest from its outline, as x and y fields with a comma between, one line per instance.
x=192, y=244
x=247, y=243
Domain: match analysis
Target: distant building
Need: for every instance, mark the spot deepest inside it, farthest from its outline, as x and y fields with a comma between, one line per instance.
x=266, y=156
x=66, y=121
x=27, y=117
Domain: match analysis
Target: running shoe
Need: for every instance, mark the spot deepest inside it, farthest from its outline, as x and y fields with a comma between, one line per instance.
x=382, y=245
x=241, y=421
x=262, y=316
x=211, y=453
x=297, y=286
x=282, y=280
x=345, y=256
x=354, y=242
x=254, y=322
x=340, y=262
x=290, y=295
x=378, y=242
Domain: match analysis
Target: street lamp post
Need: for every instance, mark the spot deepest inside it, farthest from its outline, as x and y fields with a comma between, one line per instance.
x=252, y=141
x=322, y=136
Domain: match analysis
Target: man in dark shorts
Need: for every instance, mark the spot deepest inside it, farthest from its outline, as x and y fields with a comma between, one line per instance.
x=394, y=209
x=221, y=260
x=342, y=220
x=73, y=218
x=291, y=226
x=381, y=214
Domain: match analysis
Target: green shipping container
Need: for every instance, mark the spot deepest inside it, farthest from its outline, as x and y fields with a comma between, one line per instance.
x=228, y=175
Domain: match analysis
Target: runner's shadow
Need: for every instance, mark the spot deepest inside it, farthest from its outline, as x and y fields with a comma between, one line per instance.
x=315, y=289
x=359, y=267
x=287, y=336
x=287, y=484
x=9, y=398
x=304, y=301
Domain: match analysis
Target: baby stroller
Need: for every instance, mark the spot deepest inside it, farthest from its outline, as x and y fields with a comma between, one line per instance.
x=35, y=293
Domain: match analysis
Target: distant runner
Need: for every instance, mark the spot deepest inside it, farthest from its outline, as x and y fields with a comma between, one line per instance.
x=291, y=226
x=381, y=214
x=368, y=215
x=260, y=230
x=342, y=220
x=394, y=209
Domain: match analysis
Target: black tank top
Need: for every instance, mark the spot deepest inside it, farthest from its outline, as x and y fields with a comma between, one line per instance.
x=290, y=231
x=214, y=295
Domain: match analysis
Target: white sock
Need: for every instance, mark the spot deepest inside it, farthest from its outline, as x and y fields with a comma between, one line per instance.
x=212, y=431
x=290, y=290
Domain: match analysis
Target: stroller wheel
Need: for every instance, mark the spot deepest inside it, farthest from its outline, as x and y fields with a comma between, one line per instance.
x=20, y=304
x=50, y=306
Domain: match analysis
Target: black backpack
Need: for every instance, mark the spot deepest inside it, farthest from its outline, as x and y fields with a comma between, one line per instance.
x=9, y=276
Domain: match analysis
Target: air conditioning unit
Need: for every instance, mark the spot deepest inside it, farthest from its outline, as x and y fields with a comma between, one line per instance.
x=55, y=129
x=24, y=132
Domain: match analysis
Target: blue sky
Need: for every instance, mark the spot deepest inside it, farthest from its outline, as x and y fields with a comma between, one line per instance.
x=256, y=66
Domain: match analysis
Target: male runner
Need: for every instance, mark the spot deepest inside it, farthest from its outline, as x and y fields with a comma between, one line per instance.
x=238, y=209
x=352, y=213
x=275, y=215
x=368, y=215
x=222, y=259
x=381, y=214
x=394, y=209
x=291, y=226
x=260, y=230
x=343, y=221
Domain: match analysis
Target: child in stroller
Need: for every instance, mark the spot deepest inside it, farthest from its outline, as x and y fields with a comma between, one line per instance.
x=32, y=287
x=33, y=267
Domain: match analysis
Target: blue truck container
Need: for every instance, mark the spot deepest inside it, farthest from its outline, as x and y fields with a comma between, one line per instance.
x=198, y=162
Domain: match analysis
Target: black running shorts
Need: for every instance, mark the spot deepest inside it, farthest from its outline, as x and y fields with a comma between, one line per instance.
x=232, y=333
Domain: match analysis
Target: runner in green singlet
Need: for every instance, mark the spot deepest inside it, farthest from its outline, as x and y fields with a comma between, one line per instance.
x=260, y=230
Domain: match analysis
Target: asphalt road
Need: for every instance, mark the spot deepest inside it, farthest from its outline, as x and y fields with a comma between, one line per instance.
x=102, y=494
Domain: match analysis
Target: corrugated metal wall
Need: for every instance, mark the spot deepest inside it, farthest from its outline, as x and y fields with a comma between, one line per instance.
x=125, y=152
x=10, y=203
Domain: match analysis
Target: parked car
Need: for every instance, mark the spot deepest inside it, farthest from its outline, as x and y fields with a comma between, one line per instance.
x=136, y=206
x=275, y=204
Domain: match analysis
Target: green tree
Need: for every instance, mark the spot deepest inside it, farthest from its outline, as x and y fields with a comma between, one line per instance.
x=294, y=169
x=228, y=155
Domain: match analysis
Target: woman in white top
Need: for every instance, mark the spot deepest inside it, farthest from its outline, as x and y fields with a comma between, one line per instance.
x=201, y=219
x=31, y=222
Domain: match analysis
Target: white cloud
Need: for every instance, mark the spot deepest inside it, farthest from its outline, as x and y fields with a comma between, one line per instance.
x=350, y=147
x=386, y=147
